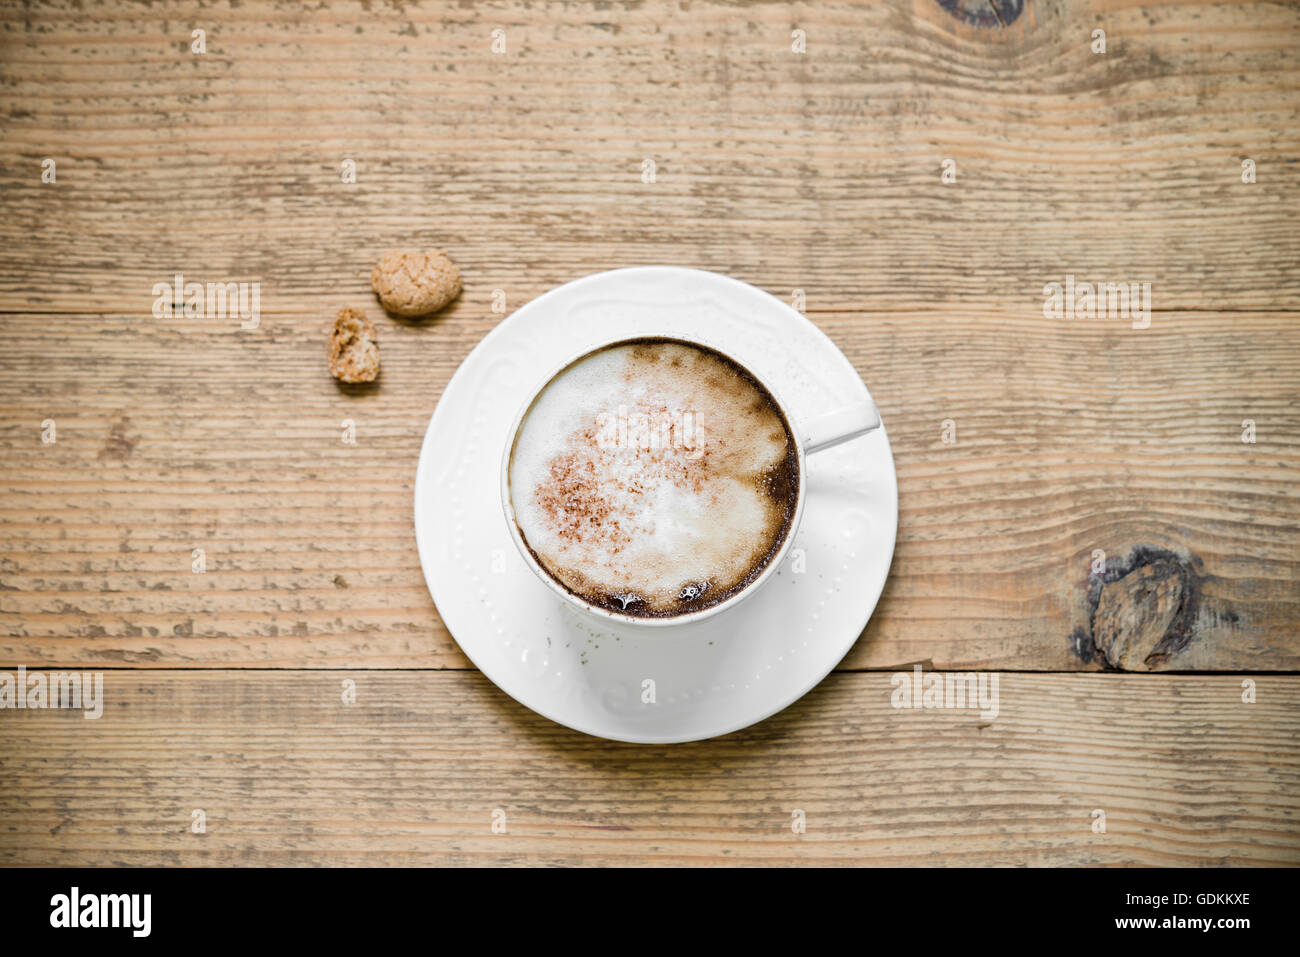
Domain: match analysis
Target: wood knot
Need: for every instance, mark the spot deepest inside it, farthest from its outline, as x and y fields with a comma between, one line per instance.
x=985, y=13
x=118, y=445
x=1142, y=611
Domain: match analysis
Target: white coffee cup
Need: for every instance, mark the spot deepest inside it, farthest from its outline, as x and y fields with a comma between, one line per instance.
x=823, y=432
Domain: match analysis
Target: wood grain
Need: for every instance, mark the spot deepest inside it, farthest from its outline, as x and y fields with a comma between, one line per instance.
x=182, y=434
x=286, y=774
x=818, y=171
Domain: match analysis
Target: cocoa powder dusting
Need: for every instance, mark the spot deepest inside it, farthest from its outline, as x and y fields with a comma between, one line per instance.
x=591, y=497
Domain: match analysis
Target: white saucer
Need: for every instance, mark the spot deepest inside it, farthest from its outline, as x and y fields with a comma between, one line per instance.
x=710, y=677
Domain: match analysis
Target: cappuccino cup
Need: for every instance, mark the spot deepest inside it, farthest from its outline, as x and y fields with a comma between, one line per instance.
x=658, y=481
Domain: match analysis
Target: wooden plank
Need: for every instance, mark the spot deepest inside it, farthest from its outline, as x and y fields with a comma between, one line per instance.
x=818, y=171
x=287, y=774
x=1071, y=437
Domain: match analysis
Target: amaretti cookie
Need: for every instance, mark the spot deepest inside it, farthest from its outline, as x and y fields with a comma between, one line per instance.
x=354, y=350
x=413, y=283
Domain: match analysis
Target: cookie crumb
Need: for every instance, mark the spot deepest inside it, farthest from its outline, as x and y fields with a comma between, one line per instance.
x=413, y=283
x=354, y=351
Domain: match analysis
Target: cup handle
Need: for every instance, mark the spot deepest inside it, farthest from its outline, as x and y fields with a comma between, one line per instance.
x=842, y=425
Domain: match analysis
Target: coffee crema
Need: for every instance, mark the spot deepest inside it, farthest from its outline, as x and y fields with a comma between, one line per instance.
x=654, y=477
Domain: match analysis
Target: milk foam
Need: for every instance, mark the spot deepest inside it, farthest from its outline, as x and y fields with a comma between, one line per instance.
x=653, y=477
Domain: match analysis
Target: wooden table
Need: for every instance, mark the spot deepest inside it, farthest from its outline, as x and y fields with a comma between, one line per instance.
x=1026, y=446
